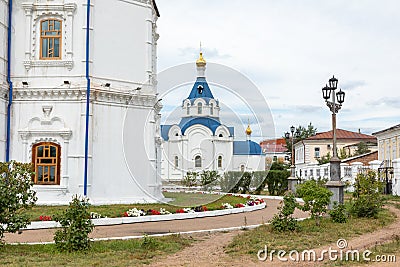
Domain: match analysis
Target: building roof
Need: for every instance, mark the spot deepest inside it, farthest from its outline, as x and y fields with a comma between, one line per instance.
x=155, y=8
x=246, y=148
x=343, y=135
x=274, y=145
x=165, y=131
x=205, y=91
x=388, y=129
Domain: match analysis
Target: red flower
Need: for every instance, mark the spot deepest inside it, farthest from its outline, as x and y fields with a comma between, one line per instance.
x=239, y=205
x=205, y=208
x=248, y=197
x=180, y=211
x=155, y=212
x=126, y=214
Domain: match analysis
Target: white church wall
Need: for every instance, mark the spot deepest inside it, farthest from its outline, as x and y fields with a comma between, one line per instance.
x=3, y=75
x=250, y=162
x=132, y=21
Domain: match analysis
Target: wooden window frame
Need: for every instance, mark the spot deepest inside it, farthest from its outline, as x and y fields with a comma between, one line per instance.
x=48, y=37
x=56, y=164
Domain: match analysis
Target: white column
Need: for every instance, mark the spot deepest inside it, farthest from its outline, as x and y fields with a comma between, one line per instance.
x=396, y=177
x=28, y=29
x=374, y=164
x=64, y=160
x=148, y=50
x=68, y=35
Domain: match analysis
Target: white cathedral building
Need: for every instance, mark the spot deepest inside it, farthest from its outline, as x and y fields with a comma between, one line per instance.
x=201, y=142
x=78, y=97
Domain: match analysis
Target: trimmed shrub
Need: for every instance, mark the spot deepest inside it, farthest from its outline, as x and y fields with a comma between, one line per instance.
x=277, y=182
x=259, y=181
x=209, y=179
x=229, y=182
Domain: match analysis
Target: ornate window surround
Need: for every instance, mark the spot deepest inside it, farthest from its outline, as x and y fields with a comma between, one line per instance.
x=34, y=13
x=47, y=129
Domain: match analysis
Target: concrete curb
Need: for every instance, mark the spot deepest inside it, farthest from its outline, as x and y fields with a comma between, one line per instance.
x=150, y=218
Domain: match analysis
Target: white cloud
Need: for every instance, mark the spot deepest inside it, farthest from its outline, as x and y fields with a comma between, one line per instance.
x=290, y=49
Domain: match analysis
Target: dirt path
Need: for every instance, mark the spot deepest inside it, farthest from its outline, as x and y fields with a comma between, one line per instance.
x=210, y=251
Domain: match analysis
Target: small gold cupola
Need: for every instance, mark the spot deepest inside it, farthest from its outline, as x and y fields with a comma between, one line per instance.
x=248, y=130
x=201, y=62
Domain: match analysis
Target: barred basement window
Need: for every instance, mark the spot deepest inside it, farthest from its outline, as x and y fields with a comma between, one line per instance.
x=50, y=39
x=46, y=160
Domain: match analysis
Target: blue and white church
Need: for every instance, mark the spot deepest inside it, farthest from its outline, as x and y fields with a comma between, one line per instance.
x=200, y=141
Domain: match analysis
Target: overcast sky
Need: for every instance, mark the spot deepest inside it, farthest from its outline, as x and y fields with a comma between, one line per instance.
x=290, y=48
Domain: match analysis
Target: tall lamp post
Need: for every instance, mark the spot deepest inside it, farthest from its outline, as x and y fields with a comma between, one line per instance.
x=337, y=98
x=292, y=180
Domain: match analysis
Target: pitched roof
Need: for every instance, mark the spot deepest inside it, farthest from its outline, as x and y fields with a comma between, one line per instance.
x=344, y=135
x=204, y=92
x=388, y=129
x=274, y=145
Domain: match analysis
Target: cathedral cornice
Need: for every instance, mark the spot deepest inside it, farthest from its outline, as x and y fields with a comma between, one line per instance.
x=79, y=94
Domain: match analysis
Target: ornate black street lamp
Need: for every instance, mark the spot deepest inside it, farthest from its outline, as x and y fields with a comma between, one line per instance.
x=337, y=99
x=292, y=180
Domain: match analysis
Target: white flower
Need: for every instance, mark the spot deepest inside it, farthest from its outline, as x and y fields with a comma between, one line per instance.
x=227, y=206
x=188, y=210
x=135, y=212
x=163, y=211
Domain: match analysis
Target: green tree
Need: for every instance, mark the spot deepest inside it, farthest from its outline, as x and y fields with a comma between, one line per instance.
x=304, y=132
x=324, y=159
x=75, y=226
x=316, y=198
x=16, y=196
x=362, y=148
x=277, y=182
x=367, y=199
x=343, y=154
x=283, y=220
x=208, y=179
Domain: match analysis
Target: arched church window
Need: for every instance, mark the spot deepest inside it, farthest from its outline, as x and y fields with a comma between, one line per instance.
x=46, y=161
x=221, y=135
x=197, y=162
x=242, y=168
x=211, y=109
x=188, y=109
x=199, y=108
x=50, y=39
x=176, y=161
x=220, y=162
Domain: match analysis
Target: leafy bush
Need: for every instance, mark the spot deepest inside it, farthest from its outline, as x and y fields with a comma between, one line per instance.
x=16, y=195
x=338, y=213
x=229, y=182
x=316, y=198
x=277, y=182
x=244, y=183
x=76, y=226
x=367, y=199
x=190, y=179
x=283, y=221
x=209, y=179
x=259, y=181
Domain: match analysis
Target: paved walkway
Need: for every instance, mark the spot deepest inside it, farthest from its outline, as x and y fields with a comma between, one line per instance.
x=150, y=228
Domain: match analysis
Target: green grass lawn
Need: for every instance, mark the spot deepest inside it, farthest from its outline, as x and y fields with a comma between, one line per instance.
x=308, y=237
x=105, y=253
x=180, y=200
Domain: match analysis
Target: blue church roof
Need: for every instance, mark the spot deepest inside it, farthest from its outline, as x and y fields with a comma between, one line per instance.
x=211, y=124
x=205, y=91
x=246, y=148
x=164, y=131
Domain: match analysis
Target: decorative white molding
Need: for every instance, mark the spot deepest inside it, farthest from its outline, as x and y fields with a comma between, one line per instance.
x=34, y=12
x=48, y=63
x=97, y=95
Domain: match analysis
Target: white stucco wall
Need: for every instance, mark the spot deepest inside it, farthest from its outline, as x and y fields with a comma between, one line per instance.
x=123, y=126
